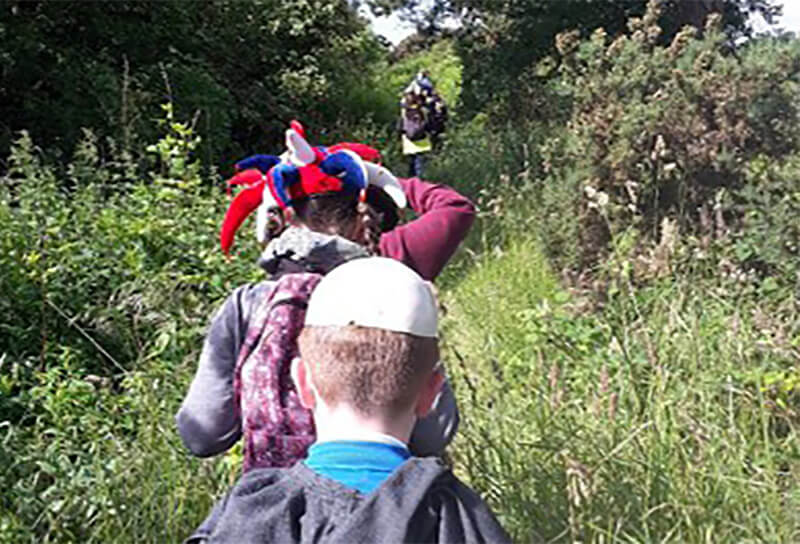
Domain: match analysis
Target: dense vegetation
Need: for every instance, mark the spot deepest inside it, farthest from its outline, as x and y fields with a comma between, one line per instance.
x=500, y=42
x=622, y=324
x=109, y=65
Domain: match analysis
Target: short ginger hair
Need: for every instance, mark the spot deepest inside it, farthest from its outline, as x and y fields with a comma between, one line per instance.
x=372, y=370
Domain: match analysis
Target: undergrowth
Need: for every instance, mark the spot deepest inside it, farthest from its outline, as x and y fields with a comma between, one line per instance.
x=669, y=415
x=108, y=279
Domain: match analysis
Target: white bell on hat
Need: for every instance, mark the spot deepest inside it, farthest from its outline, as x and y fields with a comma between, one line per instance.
x=375, y=292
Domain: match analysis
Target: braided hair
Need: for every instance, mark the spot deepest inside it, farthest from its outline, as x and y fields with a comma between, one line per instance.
x=370, y=226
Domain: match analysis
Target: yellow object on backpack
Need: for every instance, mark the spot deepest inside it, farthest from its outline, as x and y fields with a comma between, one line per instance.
x=412, y=147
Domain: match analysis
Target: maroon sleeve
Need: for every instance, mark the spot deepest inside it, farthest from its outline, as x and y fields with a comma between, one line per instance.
x=428, y=242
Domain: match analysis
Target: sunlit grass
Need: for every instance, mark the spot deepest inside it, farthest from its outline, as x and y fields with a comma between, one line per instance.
x=646, y=421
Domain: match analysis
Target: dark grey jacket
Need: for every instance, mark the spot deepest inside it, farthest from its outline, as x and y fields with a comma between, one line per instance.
x=421, y=502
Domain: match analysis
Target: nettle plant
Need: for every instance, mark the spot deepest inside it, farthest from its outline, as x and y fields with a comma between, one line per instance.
x=177, y=169
x=665, y=134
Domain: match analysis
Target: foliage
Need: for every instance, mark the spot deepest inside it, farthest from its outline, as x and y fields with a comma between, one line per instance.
x=246, y=68
x=664, y=409
x=501, y=41
x=174, y=152
x=113, y=279
x=384, y=92
x=443, y=63
x=652, y=396
x=767, y=205
x=675, y=133
x=668, y=414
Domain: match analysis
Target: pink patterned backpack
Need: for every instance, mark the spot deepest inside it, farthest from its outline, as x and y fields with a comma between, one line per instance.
x=277, y=429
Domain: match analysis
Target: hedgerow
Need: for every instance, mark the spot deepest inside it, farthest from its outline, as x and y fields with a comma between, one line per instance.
x=108, y=275
x=693, y=136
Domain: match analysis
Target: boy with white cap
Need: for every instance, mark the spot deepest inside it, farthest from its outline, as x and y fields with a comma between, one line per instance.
x=369, y=369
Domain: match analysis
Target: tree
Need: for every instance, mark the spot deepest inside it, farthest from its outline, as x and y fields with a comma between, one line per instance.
x=500, y=41
x=245, y=68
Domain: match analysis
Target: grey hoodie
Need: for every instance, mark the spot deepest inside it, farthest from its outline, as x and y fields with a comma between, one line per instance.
x=421, y=502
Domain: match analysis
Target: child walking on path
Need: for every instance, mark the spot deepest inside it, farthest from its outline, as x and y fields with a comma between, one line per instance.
x=316, y=210
x=369, y=368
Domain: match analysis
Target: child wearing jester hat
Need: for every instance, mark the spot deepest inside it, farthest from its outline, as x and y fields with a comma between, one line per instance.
x=316, y=209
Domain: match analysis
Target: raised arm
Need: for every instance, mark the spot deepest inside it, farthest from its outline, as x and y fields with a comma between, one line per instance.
x=207, y=420
x=428, y=242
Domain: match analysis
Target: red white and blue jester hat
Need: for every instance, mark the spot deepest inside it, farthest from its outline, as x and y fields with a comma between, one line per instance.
x=305, y=172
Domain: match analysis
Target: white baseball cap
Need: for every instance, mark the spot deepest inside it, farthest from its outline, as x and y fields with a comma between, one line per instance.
x=375, y=292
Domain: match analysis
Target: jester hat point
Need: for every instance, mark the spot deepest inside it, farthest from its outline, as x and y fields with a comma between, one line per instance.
x=305, y=172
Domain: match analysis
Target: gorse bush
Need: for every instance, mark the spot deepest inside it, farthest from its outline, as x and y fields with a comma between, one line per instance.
x=673, y=131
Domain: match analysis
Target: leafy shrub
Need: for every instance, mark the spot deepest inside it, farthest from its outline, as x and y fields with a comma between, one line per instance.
x=767, y=238
x=668, y=131
x=113, y=275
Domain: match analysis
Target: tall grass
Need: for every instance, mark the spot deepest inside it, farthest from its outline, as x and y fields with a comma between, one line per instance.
x=650, y=420
x=107, y=283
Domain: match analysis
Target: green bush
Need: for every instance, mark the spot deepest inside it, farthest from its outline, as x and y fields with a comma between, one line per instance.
x=767, y=237
x=672, y=131
x=113, y=276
